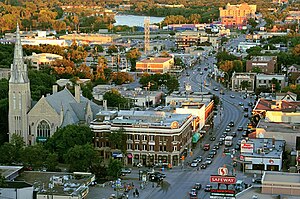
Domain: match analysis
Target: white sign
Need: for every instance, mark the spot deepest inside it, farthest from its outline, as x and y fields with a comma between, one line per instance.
x=223, y=171
x=247, y=147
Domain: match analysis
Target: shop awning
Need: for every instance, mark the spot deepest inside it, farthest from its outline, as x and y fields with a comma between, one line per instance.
x=129, y=155
x=117, y=155
x=196, y=137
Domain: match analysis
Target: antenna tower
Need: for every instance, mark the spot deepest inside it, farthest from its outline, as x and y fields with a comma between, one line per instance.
x=147, y=34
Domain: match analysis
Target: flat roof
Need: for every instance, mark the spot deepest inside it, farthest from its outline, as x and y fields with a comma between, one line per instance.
x=279, y=127
x=281, y=178
x=7, y=171
x=155, y=60
x=256, y=191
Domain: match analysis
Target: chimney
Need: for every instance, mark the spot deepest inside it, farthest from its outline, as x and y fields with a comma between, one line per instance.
x=54, y=89
x=105, y=105
x=77, y=93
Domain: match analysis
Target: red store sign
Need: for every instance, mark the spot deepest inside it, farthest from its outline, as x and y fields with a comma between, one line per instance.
x=223, y=179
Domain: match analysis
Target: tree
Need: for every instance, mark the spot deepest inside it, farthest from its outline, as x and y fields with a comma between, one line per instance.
x=245, y=85
x=296, y=50
x=118, y=139
x=252, y=22
x=115, y=99
x=67, y=137
x=80, y=157
x=133, y=55
x=112, y=49
x=164, y=54
x=87, y=91
x=226, y=66
x=3, y=182
x=114, y=168
x=256, y=70
x=34, y=156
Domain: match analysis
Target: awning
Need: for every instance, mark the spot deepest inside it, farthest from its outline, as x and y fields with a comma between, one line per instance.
x=129, y=155
x=196, y=137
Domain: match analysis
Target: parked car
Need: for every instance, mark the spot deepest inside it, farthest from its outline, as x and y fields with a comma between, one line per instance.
x=227, y=129
x=233, y=134
x=220, y=142
x=232, y=96
x=214, y=151
x=246, y=109
x=208, y=160
x=240, y=128
x=197, y=186
x=244, y=134
x=125, y=171
x=199, y=158
x=216, y=146
x=216, y=89
x=193, y=193
x=207, y=188
x=246, y=115
x=213, y=138
x=241, y=103
x=231, y=124
x=206, y=147
x=257, y=181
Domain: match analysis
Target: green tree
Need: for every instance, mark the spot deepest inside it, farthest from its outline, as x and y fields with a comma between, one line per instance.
x=7, y=154
x=51, y=162
x=256, y=70
x=114, y=168
x=34, y=156
x=225, y=56
x=3, y=111
x=3, y=182
x=115, y=99
x=87, y=91
x=112, y=49
x=118, y=139
x=245, y=85
x=252, y=22
x=67, y=137
x=80, y=157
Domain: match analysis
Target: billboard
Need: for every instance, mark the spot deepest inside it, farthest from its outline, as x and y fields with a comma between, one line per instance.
x=247, y=147
x=223, y=179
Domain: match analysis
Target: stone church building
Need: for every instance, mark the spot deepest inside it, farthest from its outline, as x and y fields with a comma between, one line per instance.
x=37, y=121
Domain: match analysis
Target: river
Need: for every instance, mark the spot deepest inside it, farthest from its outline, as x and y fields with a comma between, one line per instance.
x=135, y=20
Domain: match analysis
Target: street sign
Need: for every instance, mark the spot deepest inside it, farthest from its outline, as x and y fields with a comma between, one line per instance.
x=223, y=171
x=223, y=179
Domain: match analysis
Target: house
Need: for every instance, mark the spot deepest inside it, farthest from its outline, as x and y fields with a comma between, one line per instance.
x=293, y=68
x=267, y=64
x=155, y=65
x=244, y=46
x=294, y=77
x=288, y=96
x=238, y=78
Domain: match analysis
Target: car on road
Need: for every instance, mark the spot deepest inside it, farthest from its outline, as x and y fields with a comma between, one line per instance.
x=246, y=109
x=194, y=163
x=212, y=138
x=220, y=142
x=206, y=147
x=203, y=166
x=155, y=178
x=224, y=133
x=199, y=158
x=216, y=146
x=211, y=156
x=197, y=186
x=214, y=151
x=257, y=181
x=241, y=103
x=226, y=150
x=216, y=89
x=125, y=171
x=193, y=193
x=240, y=128
x=207, y=188
x=222, y=137
x=246, y=115
x=245, y=133
x=232, y=96
x=227, y=129
x=231, y=124
x=250, y=104
x=233, y=134
x=208, y=160
x=201, y=73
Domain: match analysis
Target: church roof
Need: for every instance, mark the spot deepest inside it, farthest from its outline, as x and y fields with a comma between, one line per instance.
x=73, y=111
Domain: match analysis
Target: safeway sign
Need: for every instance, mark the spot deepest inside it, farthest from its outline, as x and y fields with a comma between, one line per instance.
x=223, y=179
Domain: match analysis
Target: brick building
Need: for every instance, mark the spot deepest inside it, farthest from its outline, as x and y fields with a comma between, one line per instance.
x=267, y=64
x=155, y=65
x=236, y=15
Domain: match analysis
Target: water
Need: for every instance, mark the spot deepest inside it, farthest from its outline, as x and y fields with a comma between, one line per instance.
x=134, y=20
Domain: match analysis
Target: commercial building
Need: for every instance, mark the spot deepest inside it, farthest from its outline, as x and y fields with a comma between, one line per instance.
x=244, y=46
x=262, y=154
x=265, y=80
x=238, y=78
x=152, y=137
x=155, y=65
x=177, y=98
x=236, y=15
x=15, y=190
x=43, y=59
x=281, y=183
x=267, y=64
x=90, y=38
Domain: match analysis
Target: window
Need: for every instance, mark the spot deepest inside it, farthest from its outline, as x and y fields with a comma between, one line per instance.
x=151, y=148
x=151, y=137
x=162, y=148
x=20, y=101
x=129, y=137
x=136, y=137
x=14, y=100
x=174, y=148
x=129, y=146
x=43, y=129
x=144, y=147
x=137, y=147
x=144, y=137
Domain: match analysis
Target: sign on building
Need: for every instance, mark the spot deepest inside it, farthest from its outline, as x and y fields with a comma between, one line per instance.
x=223, y=171
x=223, y=179
x=246, y=147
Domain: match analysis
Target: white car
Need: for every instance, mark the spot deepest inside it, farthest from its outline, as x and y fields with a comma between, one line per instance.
x=208, y=160
x=232, y=96
x=194, y=163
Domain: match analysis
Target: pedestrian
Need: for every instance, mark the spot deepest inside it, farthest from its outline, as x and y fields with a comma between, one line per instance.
x=133, y=194
x=137, y=192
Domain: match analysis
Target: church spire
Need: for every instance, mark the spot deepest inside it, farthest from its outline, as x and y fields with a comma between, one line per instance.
x=18, y=68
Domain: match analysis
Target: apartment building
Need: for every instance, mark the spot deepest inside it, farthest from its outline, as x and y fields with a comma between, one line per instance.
x=264, y=80
x=267, y=64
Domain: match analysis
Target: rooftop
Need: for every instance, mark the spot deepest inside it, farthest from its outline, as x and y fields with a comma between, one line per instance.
x=263, y=58
x=256, y=191
x=7, y=171
x=281, y=178
x=279, y=105
x=156, y=60
x=279, y=127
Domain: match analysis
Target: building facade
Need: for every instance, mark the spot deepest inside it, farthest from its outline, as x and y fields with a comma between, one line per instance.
x=155, y=65
x=264, y=80
x=42, y=59
x=238, y=78
x=236, y=15
x=152, y=137
x=267, y=64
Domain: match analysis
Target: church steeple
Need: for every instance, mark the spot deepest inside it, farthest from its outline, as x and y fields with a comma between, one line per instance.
x=18, y=68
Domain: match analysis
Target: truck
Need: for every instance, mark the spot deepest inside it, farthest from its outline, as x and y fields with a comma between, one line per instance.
x=228, y=140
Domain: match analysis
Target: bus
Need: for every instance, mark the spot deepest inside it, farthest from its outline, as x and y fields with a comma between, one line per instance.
x=228, y=140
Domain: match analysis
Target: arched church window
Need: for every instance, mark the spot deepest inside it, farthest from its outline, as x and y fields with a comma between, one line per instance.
x=14, y=100
x=20, y=101
x=43, y=129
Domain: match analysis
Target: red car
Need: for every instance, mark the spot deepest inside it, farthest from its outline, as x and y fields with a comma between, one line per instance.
x=206, y=147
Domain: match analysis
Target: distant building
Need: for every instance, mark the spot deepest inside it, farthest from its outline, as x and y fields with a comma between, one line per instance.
x=155, y=65
x=293, y=68
x=267, y=64
x=43, y=59
x=264, y=80
x=294, y=78
x=90, y=38
x=4, y=73
x=238, y=78
x=236, y=15
x=244, y=46
x=288, y=96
